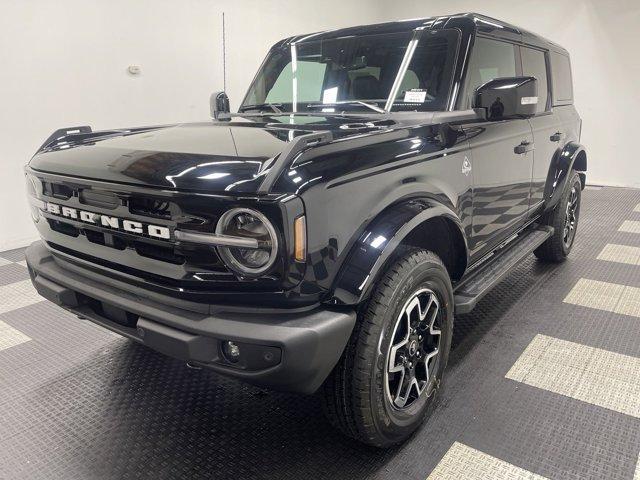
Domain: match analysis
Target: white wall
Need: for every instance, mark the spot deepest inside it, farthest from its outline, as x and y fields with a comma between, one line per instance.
x=64, y=63
x=603, y=39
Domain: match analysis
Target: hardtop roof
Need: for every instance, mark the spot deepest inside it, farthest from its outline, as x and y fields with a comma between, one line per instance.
x=479, y=23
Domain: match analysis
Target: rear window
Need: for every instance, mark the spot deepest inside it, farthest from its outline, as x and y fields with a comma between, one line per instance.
x=561, y=79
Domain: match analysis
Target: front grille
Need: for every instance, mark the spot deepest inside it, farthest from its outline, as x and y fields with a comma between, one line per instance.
x=128, y=252
x=158, y=261
x=164, y=253
x=95, y=237
x=157, y=252
x=105, y=239
x=100, y=199
x=57, y=190
x=221, y=279
x=150, y=207
x=63, y=227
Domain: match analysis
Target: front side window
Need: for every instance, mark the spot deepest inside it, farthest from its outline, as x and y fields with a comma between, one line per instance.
x=318, y=75
x=534, y=64
x=489, y=59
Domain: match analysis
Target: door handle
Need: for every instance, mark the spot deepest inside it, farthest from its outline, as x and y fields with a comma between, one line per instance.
x=524, y=147
x=556, y=137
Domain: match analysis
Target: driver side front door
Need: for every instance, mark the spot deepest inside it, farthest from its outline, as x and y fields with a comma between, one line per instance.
x=501, y=172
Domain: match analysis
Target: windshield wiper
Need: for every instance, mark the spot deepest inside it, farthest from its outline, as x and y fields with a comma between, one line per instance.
x=261, y=106
x=371, y=106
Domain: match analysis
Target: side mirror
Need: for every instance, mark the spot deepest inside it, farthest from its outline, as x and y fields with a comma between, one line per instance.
x=505, y=98
x=219, y=105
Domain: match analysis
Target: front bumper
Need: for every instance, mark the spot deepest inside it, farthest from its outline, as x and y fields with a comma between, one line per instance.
x=278, y=349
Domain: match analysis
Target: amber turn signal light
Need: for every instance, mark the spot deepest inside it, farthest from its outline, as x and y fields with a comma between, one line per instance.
x=300, y=238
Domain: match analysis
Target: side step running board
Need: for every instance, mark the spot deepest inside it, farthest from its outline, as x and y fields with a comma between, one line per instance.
x=467, y=295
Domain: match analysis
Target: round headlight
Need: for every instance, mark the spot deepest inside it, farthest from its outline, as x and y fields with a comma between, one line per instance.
x=248, y=223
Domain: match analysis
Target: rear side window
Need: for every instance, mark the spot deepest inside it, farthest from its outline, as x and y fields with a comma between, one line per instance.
x=534, y=64
x=561, y=79
x=489, y=59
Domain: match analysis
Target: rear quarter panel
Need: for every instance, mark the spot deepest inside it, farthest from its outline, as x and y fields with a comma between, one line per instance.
x=570, y=121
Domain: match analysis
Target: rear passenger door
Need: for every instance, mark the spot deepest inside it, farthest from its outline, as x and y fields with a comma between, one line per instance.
x=501, y=177
x=547, y=128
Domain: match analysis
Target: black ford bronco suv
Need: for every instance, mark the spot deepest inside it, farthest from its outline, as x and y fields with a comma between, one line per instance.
x=375, y=181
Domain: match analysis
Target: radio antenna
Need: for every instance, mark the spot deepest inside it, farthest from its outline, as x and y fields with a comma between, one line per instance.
x=224, y=57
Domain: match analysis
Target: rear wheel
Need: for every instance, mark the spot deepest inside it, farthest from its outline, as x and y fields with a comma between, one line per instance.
x=564, y=220
x=385, y=383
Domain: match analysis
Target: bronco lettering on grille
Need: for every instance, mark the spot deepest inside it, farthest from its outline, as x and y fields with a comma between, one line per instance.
x=129, y=226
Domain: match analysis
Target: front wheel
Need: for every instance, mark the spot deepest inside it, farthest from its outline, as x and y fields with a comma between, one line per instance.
x=385, y=383
x=564, y=220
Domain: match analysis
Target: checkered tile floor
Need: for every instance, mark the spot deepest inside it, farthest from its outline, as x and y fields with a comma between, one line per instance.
x=543, y=382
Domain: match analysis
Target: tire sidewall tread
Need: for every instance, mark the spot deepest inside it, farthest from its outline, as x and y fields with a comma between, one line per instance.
x=365, y=413
x=553, y=249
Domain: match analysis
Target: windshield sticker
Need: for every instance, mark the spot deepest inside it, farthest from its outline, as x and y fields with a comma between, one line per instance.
x=415, y=96
x=330, y=95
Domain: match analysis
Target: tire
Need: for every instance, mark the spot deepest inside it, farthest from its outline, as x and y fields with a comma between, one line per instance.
x=361, y=395
x=564, y=219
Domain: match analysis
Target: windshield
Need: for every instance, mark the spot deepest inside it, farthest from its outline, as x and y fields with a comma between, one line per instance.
x=363, y=73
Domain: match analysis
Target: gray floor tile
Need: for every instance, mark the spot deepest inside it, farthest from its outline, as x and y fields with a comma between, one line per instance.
x=12, y=273
x=13, y=255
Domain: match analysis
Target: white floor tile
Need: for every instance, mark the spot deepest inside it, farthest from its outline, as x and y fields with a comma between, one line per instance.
x=629, y=302
x=10, y=337
x=637, y=208
x=23, y=263
x=630, y=226
x=595, y=294
x=600, y=377
x=18, y=295
x=610, y=297
x=4, y=261
x=463, y=462
x=620, y=254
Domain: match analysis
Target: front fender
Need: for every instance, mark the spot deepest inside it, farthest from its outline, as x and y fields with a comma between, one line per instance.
x=378, y=243
x=562, y=163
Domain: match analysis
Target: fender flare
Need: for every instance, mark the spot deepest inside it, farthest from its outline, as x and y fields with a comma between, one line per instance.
x=562, y=163
x=379, y=241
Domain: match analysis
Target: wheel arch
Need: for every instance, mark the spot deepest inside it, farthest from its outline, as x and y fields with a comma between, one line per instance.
x=422, y=223
x=443, y=236
x=580, y=165
x=572, y=157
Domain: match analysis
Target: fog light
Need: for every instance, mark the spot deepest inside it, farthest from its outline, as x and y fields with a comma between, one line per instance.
x=231, y=351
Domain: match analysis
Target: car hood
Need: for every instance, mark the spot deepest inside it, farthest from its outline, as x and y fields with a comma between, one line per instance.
x=210, y=156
